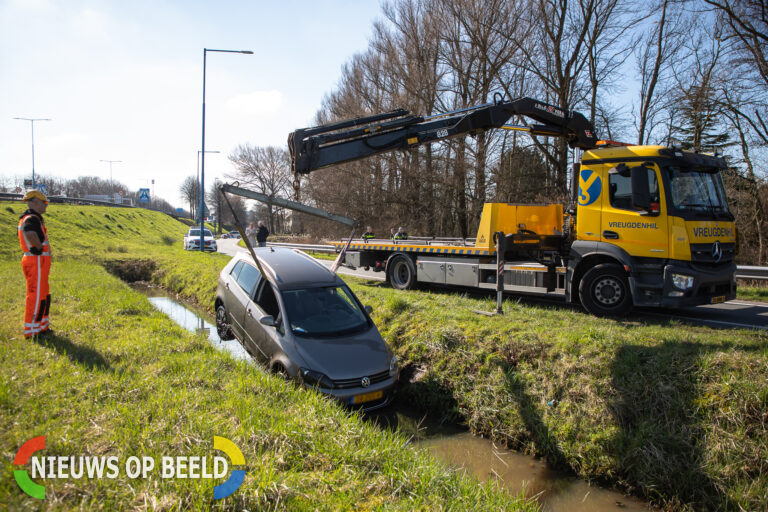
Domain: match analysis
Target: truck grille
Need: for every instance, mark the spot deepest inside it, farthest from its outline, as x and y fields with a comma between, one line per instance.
x=705, y=253
x=356, y=382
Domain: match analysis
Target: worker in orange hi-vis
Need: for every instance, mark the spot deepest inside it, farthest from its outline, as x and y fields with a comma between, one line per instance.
x=36, y=264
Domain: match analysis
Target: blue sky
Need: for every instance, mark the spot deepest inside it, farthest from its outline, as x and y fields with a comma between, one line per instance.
x=122, y=80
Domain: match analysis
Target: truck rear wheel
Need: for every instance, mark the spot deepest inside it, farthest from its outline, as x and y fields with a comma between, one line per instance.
x=401, y=272
x=604, y=291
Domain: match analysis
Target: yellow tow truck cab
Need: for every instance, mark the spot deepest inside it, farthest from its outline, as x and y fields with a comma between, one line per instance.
x=647, y=226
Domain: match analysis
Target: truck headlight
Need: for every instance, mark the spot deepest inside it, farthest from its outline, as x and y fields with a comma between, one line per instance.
x=393, y=366
x=682, y=281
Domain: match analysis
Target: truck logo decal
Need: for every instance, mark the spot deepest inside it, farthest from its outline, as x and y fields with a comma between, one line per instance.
x=633, y=225
x=716, y=231
x=590, y=186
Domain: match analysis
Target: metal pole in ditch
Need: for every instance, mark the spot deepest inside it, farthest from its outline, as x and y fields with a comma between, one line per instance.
x=500, y=239
x=340, y=257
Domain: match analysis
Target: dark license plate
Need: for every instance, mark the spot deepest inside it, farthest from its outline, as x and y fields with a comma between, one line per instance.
x=718, y=299
x=367, y=397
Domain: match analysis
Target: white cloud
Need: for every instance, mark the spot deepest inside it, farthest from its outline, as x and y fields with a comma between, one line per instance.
x=89, y=24
x=255, y=103
x=32, y=5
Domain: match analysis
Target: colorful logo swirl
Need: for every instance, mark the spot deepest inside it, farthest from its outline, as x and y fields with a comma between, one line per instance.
x=21, y=475
x=235, y=480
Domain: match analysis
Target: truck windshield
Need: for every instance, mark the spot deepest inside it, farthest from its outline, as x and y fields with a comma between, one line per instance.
x=696, y=190
x=326, y=311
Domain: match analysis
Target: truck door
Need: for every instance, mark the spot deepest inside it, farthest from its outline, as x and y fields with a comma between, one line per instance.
x=638, y=232
x=591, y=184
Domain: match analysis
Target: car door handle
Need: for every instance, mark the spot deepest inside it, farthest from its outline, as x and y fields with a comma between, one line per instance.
x=249, y=313
x=610, y=235
x=226, y=284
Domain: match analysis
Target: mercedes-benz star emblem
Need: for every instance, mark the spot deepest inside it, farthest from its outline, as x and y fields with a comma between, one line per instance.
x=717, y=251
x=365, y=382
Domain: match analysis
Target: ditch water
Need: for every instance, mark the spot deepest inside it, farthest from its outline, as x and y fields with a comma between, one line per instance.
x=455, y=446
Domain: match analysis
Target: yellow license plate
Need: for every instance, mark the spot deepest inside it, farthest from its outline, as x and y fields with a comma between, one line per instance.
x=367, y=397
x=718, y=299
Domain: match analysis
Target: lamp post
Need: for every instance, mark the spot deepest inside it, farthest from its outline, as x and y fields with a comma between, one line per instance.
x=198, y=169
x=111, y=191
x=202, y=151
x=32, y=123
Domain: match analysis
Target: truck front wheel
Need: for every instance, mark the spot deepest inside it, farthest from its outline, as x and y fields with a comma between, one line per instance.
x=604, y=291
x=401, y=272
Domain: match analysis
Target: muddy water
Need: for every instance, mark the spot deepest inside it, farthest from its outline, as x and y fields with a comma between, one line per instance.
x=554, y=491
x=192, y=319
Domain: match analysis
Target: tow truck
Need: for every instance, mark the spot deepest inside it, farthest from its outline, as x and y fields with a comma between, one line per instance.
x=646, y=225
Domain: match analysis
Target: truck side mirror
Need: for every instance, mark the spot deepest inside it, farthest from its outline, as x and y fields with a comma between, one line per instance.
x=641, y=194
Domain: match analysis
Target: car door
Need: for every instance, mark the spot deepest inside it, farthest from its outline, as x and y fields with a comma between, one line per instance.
x=265, y=303
x=246, y=281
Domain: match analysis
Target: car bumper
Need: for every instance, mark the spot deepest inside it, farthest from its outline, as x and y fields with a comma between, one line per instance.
x=348, y=396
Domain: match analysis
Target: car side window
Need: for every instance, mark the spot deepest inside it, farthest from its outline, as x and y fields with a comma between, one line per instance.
x=267, y=301
x=248, y=278
x=236, y=270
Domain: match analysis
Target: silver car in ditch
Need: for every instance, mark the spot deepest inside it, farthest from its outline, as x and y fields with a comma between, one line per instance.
x=304, y=323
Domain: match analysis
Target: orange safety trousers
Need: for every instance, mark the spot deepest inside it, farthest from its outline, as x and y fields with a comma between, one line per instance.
x=36, y=269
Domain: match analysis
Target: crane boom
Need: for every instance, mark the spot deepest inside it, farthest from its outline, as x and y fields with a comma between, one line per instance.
x=325, y=145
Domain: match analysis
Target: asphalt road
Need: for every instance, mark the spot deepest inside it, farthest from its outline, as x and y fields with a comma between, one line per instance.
x=734, y=314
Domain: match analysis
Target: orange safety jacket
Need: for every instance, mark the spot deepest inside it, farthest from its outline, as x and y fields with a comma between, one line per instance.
x=36, y=268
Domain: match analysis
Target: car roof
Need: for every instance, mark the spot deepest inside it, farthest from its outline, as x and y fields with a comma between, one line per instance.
x=291, y=268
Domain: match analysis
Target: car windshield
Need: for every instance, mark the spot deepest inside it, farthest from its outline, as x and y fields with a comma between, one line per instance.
x=696, y=189
x=196, y=232
x=326, y=311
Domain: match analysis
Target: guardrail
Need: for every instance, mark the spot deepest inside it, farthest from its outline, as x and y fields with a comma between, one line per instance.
x=750, y=272
x=742, y=271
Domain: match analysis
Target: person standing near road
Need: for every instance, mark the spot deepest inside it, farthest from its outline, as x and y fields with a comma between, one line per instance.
x=250, y=233
x=36, y=264
x=262, y=234
x=401, y=234
x=368, y=235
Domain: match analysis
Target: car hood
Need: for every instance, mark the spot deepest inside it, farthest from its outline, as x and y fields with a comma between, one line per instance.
x=345, y=357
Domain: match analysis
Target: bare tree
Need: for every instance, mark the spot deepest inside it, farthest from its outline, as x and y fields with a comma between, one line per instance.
x=265, y=170
x=190, y=192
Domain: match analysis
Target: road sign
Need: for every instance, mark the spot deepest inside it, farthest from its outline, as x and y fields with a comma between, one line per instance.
x=42, y=188
x=179, y=210
x=143, y=195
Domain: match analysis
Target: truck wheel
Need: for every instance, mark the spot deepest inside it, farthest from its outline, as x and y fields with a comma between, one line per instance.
x=222, y=324
x=604, y=291
x=401, y=273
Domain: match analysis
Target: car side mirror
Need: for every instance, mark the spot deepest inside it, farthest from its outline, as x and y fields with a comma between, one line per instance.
x=268, y=320
x=368, y=309
x=641, y=194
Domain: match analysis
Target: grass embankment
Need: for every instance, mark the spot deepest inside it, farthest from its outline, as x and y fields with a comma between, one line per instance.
x=120, y=379
x=756, y=293
x=672, y=412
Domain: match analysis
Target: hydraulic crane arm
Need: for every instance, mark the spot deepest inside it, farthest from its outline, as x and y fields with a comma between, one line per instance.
x=331, y=144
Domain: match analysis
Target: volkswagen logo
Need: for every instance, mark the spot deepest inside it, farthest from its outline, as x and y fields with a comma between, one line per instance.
x=365, y=382
x=717, y=251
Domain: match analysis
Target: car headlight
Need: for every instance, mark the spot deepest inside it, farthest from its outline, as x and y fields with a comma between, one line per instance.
x=682, y=281
x=316, y=379
x=393, y=366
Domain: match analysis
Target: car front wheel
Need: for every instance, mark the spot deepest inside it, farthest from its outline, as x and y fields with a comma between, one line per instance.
x=222, y=323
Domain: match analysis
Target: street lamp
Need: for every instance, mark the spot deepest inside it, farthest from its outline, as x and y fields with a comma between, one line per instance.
x=202, y=151
x=111, y=191
x=32, y=123
x=197, y=177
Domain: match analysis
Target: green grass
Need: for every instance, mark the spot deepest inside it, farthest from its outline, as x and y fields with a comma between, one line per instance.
x=756, y=293
x=120, y=379
x=671, y=412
